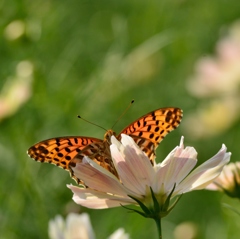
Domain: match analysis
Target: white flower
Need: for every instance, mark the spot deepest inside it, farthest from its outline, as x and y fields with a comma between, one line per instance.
x=139, y=179
x=77, y=227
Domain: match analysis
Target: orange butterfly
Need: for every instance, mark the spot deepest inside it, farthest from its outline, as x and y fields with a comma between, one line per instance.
x=147, y=131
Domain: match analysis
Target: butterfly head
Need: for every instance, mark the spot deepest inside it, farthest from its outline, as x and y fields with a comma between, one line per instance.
x=108, y=135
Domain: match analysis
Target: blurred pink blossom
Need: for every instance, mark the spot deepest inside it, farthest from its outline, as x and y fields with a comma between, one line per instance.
x=220, y=74
x=16, y=90
x=216, y=79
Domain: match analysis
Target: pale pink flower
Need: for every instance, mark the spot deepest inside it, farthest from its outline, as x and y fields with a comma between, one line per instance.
x=221, y=74
x=228, y=181
x=218, y=79
x=77, y=226
x=138, y=178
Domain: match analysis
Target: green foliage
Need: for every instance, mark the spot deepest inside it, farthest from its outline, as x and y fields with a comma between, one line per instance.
x=88, y=59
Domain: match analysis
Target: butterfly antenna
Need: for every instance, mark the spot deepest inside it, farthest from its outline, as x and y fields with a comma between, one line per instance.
x=124, y=112
x=91, y=123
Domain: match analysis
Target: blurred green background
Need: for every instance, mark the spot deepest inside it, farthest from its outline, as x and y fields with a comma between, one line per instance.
x=63, y=58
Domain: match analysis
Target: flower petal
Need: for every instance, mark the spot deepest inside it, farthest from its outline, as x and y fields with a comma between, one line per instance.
x=125, y=173
x=133, y=166
x=79, y=226
x=205, y=173
x=176, y=167
x=99, y=180
x=96, y=199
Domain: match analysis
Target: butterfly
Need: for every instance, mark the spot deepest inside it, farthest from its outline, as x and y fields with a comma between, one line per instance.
x=147, y=132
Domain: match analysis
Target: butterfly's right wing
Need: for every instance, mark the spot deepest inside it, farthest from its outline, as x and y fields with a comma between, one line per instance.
x=149, y=130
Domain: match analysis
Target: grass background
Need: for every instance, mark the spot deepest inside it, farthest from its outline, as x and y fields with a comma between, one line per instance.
x=90, y=59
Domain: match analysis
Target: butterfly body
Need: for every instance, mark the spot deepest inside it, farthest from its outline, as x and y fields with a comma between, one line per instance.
x=148, y=131
x=99, y=152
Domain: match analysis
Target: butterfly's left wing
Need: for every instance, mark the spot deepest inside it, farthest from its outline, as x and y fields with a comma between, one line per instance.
x=62, y=151
x=149, y=130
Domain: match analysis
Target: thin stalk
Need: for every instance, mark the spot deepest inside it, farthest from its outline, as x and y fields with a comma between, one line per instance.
x=159, y=227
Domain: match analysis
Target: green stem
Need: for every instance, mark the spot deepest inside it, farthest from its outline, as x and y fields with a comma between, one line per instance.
x=159, y=227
